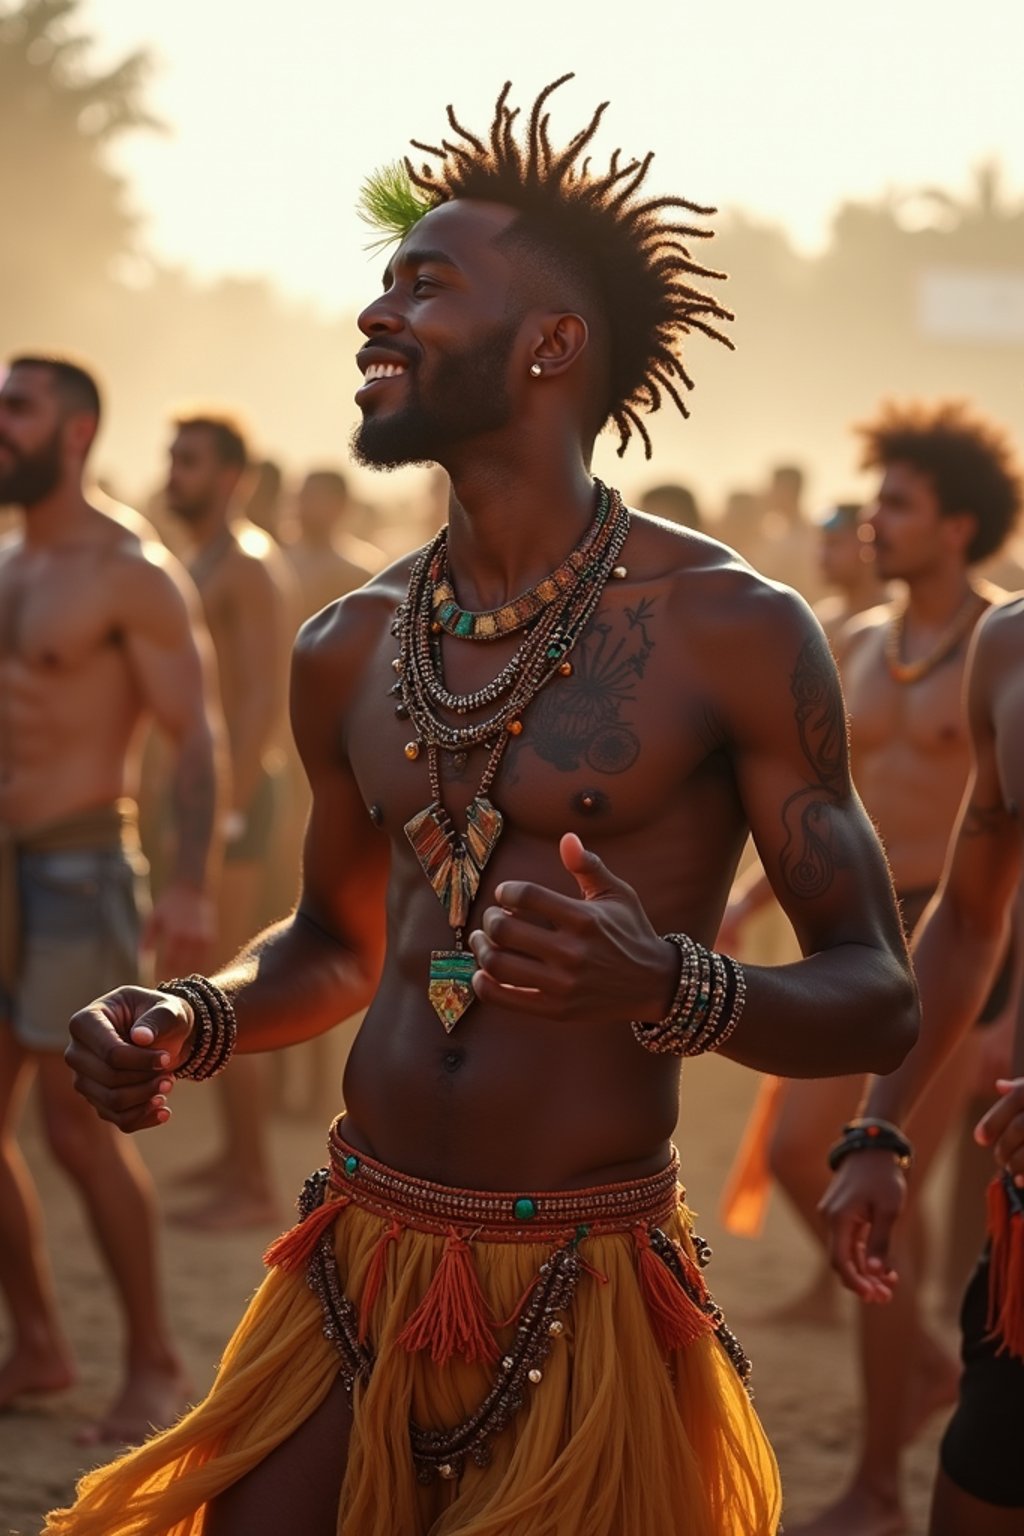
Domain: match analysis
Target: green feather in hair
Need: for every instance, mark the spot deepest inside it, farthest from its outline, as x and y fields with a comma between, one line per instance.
x=388, y=202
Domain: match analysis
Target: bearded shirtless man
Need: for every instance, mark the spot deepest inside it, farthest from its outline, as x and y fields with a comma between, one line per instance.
x=979, y=1489
x=98, y=631
x=518, y=1334
x=248, y=598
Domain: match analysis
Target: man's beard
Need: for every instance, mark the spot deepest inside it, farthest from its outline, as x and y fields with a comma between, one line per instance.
x=187, y=512
x=33, y=476
x=468, y=397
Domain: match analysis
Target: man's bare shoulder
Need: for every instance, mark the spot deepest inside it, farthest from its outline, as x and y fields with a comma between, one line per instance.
x=123, y=516
x=353, y=622
x=149, y=589
x=995, y=667
x=255, y=564
x=864, y=629
x=1001, y=634
x=715, y=593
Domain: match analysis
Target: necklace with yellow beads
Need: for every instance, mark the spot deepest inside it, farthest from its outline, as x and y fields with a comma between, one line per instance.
x=908, y=672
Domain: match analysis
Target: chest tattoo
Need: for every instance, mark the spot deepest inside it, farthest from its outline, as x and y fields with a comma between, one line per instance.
x=587, y=720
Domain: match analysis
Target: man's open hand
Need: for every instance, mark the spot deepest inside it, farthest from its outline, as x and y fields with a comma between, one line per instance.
x=861, y=1205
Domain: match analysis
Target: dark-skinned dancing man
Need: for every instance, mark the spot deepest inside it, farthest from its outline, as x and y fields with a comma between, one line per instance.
x=535, y=748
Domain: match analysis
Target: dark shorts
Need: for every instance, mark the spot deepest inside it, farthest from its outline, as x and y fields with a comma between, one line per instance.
x=981, y=1449
x=80, y=938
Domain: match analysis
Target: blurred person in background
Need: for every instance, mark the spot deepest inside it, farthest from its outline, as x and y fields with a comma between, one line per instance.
x=247, y=592
x=327, y=558
x=97, y=631
x=328, y=561
x=261, y=502
x=846, y=560
x=740, y=524
x=676, y=503
x=787, y=547
x=947, y=500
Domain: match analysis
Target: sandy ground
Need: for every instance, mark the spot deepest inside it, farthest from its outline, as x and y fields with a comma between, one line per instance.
x=803, y=1376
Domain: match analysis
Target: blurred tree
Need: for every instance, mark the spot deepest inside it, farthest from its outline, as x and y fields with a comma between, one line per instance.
x=67, y=215
x=986, y=225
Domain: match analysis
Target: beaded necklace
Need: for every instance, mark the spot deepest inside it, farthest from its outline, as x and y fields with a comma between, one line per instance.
x=454, y=862
x=522, y=610
x=907, y=672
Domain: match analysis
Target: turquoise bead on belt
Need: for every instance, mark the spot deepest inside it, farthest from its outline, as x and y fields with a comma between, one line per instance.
x=351, y=1165
x=524, y=1209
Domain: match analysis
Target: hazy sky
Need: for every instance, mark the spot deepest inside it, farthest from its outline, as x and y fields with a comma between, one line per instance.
x=277, y=111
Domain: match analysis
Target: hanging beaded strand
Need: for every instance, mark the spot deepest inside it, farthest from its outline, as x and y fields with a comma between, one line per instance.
x=454, y=863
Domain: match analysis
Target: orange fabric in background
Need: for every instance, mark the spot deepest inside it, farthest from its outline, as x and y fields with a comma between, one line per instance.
x=745, y=1197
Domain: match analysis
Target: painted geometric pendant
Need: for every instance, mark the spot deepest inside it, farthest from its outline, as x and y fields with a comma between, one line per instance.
x=454, y=864
x=451, y=984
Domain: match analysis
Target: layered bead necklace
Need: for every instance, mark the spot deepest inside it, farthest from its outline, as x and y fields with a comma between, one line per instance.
x=552, y=616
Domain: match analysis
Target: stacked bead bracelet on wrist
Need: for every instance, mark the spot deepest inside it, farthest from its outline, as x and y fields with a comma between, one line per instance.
x=868, y=1135
x=707, y=1006
x=215, y=1032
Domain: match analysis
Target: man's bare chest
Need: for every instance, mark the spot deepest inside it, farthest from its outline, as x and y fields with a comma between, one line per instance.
x=608, y=743
x=54, y=617
x=890, y=716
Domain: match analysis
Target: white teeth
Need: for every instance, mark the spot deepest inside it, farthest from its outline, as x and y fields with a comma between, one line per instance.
x=383, y=371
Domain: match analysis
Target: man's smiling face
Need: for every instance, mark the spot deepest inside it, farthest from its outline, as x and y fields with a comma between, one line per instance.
x=437, y=362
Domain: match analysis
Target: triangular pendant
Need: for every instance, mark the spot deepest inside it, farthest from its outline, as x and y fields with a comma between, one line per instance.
x=452, y=864
x=451, y=984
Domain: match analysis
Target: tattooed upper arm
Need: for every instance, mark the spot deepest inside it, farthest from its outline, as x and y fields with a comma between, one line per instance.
x=811, y=852
x=787, y=726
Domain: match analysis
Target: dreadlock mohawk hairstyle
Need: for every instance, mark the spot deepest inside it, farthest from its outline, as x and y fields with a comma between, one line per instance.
x=629, y=251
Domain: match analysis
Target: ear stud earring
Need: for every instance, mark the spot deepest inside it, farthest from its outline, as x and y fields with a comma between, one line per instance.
x=536, y=370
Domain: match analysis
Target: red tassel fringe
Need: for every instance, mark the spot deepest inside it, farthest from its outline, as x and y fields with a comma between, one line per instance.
x=1006, y=1273
x=453, y=1318
x=294, y=1248
x=375, y=1278
x=676, y=1320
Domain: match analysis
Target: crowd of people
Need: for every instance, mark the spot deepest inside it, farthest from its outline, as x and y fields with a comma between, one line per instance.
x=159, y=808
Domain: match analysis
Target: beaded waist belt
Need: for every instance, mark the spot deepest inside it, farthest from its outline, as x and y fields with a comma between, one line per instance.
x=453, y=1316
x=509, y=1216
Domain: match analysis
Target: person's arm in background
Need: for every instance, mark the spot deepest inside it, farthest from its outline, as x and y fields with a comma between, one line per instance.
x=957, y=950
x=170, y=654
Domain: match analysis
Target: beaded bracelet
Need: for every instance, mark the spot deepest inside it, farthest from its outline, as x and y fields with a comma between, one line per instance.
x=706, y=1008
x=215, y=1030
x=867, y=1135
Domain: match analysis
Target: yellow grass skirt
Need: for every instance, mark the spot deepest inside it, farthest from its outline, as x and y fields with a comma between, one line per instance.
x=548, y=1364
